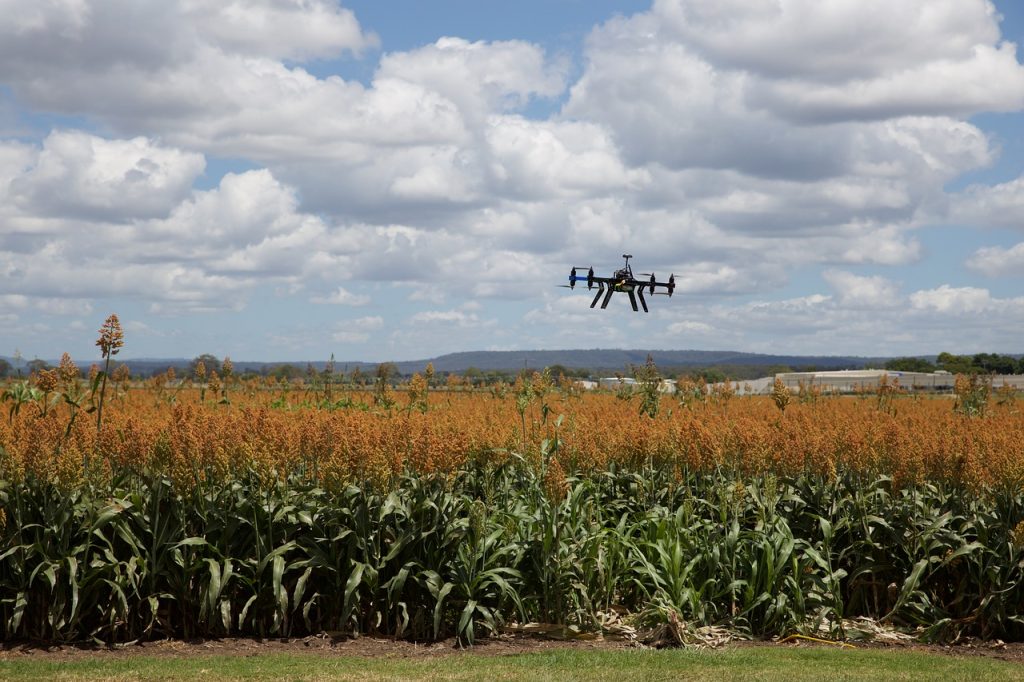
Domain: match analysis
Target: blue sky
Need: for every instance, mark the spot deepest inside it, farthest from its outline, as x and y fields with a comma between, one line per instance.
x=285, y=180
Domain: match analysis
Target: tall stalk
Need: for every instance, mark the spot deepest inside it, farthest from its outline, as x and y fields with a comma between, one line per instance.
x=110, y=342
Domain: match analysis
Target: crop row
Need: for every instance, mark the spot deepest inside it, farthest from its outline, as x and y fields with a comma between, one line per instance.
x=193, y=441
x=490, y=546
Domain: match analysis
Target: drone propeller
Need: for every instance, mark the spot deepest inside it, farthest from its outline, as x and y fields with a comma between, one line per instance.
x=671, y=283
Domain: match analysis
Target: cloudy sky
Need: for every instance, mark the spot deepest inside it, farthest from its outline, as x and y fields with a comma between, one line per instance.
x=286, y=179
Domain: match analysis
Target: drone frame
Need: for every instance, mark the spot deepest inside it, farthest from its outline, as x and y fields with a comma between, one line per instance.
x=623, y=281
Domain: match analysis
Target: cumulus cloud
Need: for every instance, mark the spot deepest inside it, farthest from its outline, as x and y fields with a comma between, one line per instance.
x=342, y=296
x=480, y=77
x=457, y=318
x=995, y=261
x=813, y=38
x=284, y=29
x=357, y=330
x=952, y=300
x=13, y=304
x=928, y=320
x=533, y=160
x=211, y=247
x=921, y=57
x=856, y=291
x=76, y=174
x=1000, y=205
x=731, y=142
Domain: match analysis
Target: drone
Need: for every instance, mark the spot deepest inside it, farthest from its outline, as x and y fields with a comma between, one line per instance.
x=624, y=281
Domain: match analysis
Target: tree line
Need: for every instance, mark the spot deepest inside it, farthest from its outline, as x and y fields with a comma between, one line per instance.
x=979, y=363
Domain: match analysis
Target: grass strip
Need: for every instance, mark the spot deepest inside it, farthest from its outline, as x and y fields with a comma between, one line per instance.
x=735, y=663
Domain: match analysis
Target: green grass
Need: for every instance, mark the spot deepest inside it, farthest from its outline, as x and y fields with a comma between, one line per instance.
x=737, y=663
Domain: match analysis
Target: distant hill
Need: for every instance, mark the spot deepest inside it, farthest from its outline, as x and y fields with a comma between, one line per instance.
x=608, y=360
x=618, y=359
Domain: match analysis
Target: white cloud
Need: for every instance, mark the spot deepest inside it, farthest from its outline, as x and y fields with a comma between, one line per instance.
x=284, y=29
x=342, y=296
x=732, y=142
x=941, y=87
x=690, y=327
x=479, y=77
x=829, y=39
x=357, y=330
x=855, y=291
x=455, y=317
x=952, y=300
x=18, y=303
x=205, y=255
x=995, y=261
x=15, y=159
x=855, y=59
x=542, y=160
x=76, y=174
x=1000, y=205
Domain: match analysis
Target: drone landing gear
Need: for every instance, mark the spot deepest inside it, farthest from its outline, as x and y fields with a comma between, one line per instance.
x=632, y=300
x=607, y=297
x=600, y=290
x=643, y=303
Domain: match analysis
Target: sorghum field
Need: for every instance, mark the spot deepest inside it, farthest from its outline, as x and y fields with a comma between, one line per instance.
x=216, y=506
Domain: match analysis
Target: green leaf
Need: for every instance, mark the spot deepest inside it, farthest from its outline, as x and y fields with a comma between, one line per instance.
x=466, y=621
x=442, y=594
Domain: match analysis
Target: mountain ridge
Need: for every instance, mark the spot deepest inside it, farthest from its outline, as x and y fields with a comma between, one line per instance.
x=611, y=359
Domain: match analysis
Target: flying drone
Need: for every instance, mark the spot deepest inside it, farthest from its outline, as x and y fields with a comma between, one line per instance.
x=624, y=281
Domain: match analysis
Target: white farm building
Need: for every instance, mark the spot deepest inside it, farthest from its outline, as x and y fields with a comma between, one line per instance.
x=853, y=380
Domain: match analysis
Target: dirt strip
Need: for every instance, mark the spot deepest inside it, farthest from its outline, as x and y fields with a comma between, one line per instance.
x=389, y=648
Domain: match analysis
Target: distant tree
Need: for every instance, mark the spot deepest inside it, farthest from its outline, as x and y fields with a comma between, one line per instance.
x=557, y=371
x=808, y=368
x=5, y=368
x=35, y=366
x=993, y=363
x=285, y=371
x=712, y=375
x=496, y=376
x=386, y=371
x=356, y=377
x=910, y=365
x=957, y=364
x=210, y=362
x=472, y=376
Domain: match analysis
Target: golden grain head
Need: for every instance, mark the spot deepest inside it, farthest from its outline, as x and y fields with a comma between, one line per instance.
x=111, y=338
x=68, y=370
x=47, y=380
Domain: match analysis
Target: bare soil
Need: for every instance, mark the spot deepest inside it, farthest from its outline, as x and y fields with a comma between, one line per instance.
x=374, y=647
